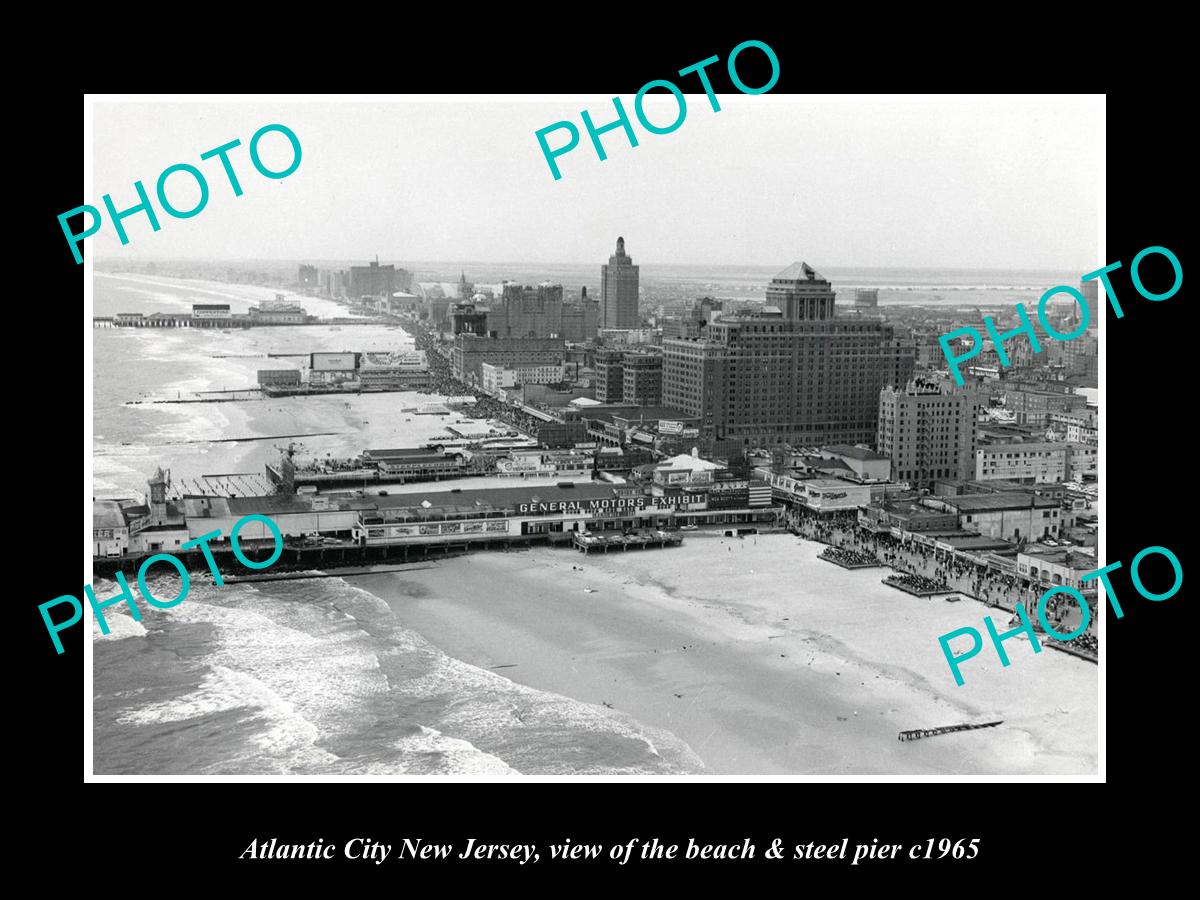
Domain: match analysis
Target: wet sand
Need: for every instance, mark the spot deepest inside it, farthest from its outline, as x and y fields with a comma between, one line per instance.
x=817, y=676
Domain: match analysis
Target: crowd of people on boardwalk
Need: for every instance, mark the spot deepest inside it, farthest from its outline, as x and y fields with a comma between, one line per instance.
x=1086, y=642
x=920, y=584
x=943, y=570
x=849, y=557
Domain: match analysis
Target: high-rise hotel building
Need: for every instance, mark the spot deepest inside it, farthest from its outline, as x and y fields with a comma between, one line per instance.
x=929, y=431
x=791, y=373
x=619, y=291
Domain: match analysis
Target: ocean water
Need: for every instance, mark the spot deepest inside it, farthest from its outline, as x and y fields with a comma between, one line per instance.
x=314, y=676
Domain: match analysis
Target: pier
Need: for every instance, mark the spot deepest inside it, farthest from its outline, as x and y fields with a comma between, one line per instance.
x=169, y=320
x=332, y=558
x=187, y=320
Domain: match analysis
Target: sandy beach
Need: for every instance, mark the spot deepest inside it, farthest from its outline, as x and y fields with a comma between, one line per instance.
x=817, y=677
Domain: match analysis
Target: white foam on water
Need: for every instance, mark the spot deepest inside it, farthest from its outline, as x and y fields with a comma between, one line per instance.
x=288, y=739
x=120, y=624
x=312, y=673
x=455, y=756
x=485, y=705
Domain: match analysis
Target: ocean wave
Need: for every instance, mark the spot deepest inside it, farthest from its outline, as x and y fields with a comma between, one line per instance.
x=548, y=733
x=318, y=677
x=535, y=731
x=453, y=756
x=309, y=681
x=120, y=624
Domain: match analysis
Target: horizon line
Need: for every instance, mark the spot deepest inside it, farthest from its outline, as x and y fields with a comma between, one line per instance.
x=458, y=262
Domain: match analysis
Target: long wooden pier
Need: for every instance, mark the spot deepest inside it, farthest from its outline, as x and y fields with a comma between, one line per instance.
x=187, y=320
x=300, y=556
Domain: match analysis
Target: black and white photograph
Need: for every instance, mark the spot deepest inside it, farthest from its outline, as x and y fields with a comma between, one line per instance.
x=470, y=438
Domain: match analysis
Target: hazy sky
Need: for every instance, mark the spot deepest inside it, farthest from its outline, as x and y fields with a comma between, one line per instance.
x=767, y=180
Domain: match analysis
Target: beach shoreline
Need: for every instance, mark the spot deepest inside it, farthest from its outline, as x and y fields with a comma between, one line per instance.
x=819, y=681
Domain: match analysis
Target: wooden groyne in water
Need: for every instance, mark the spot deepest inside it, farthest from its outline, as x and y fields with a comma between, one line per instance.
x=918, y=733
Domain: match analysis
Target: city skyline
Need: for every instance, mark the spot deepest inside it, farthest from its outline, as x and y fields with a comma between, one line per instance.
x=854, y=184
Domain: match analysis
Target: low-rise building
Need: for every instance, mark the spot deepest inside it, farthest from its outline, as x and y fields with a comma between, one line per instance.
x=159, y=539
x=627, y=336
x=411, y=464
x=211, y=311
x=905, y=514
x=546, y=464
x=1058, y=565
x=1025, y=463
x=471, y=516
x=1082, y=462
x=295, y=516
x=110, y=532
x=1033, y=406
x=1011, y=516
x=402, y=371
x=278, y=313
x=539, y=374
x=865, y=463
x=562, y=434
x=686, y=469
x=820, y=494
x=1076, y=426
x=493, y=378
x=332, y=368
x=279, y=377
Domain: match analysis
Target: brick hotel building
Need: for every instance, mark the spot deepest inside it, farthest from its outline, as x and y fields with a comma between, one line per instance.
x=791, y=373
